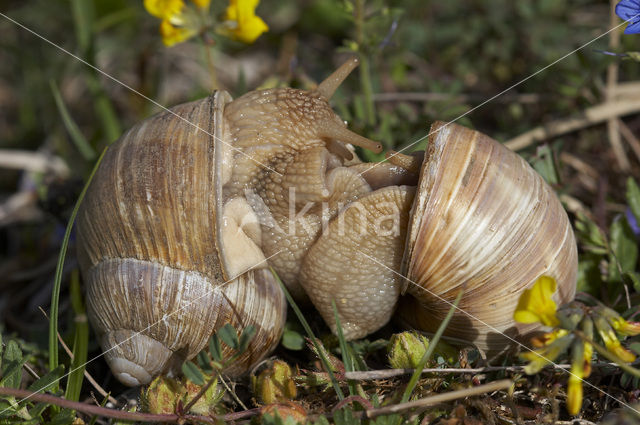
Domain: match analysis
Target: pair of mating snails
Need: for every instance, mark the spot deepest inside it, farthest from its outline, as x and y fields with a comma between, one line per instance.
x=190, y=209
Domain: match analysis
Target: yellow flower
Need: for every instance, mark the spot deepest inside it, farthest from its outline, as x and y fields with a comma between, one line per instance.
x=625, y=328
x=611, y=340
x=574, y=390
x=173, y=35
x=540, y=358
x=536, y=305
x=241, y=21
x=202, y=4
x=586, y=358
x=548, y=338
x=167, y=10
x=574, y=394
x=179, y=22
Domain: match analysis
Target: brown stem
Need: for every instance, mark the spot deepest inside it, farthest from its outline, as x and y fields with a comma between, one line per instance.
x=391, y=373
x=91, y=409
x=588, y=117
x=613, y=128
x=348, y=400
x=440, y=398
x=120, y=414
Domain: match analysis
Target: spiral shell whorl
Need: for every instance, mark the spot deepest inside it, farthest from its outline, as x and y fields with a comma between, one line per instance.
x=484, y=221
x=154, y=234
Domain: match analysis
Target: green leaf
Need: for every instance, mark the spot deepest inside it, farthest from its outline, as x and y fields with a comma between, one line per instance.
x=635, y=347
x=80, y=341
x=83, y=21
x=245, y=338
x=427, y=355
x=83, y=146
x=12, y=366
x=623, y=248
x=37, y=410
x=229, y=336
x=633, y=198
x=545, y=164
x=590, y=235
x=625, y=380
x=589, y=275
x=345, y=416
x=322, y=420
x=192, y=373
x=57, y=281
x=292, y=340
x=319, y=350
x=214, y=348
x=43, y=383
x=204, y=362
x=633, y=278
x=344, y=349
x=64, y=417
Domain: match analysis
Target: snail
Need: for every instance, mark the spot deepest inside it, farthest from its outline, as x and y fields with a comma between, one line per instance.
x=190, y=209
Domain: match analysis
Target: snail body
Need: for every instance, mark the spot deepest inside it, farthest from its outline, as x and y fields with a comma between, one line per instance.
x=190, y=208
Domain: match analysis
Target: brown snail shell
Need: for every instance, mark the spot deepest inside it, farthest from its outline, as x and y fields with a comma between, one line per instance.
x=485, y=222
x=158, y=247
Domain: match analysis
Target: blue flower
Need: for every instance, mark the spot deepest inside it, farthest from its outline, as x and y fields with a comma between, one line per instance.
x=629, y=10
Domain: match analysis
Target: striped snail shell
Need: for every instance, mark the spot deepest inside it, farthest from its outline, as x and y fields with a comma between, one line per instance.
x=159, y=243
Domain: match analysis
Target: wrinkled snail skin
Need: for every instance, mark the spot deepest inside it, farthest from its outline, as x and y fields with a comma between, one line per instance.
x=181, y=223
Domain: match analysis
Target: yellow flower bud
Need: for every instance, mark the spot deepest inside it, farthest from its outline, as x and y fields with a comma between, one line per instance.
x=275, y=383
x=406, y=350
x=163, y=394
x=574, y=390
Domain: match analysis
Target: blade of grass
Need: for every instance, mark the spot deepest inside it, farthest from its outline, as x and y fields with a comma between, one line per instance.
x=314, y=340
x=55, y=294
x=427, y=355
x=344, y=348
x=76, y=135
x=80, y=341
x=83, y=22
x=82, y=12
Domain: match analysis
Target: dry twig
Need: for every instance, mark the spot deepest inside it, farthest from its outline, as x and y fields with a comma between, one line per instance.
x=591, y=116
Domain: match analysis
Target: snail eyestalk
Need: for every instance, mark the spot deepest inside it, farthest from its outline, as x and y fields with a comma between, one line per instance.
x=329, y=86
x=410, y=163
x=333, y=130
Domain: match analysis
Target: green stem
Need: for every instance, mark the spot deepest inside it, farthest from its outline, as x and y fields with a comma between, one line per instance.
x=427, y=355
x=55, y=295
x=83, y=14
x=609, y=355
x=310, y=334
x=365, y=69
